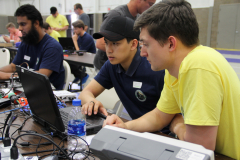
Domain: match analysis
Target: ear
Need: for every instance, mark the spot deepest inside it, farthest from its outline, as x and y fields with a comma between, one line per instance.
x=134, y=44
x=36, y=23
x=172, y=43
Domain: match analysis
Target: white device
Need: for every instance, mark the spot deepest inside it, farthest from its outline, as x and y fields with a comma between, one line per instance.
x=65, y=95
x=112, y=143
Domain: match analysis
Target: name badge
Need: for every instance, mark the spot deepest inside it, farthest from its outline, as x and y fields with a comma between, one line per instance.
x=137, y=84
x=27, y=58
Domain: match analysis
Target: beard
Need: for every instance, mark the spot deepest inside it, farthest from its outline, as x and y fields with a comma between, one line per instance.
x=32, y=37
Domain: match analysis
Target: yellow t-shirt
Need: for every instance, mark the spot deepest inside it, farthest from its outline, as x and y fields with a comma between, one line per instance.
x=55, y=35
x=207, y=93
x=59, y=22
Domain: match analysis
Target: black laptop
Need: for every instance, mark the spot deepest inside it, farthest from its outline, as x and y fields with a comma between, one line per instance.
x=43, y=104
x=67, y=44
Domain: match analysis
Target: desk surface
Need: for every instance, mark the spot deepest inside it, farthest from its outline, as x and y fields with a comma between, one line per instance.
x=85, y=60
x=31, y=125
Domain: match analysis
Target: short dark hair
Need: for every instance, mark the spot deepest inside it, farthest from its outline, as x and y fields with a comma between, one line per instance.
x=53, y=10
x=30, y=12
x=45, y=25
x=78, y=5
x=79, y=24
x=129, y=39
x=171, y=17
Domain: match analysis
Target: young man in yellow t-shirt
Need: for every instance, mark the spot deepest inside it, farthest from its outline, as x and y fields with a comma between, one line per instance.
x=47, y=29
x=199, y=82
x=58, y=22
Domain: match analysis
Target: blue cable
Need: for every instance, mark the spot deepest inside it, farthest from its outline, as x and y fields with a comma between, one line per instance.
x=11, y=110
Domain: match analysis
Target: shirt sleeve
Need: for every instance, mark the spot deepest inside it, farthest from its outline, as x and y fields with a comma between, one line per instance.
x=167, y=102
x=103, y=76
x=52, y=59
x=203, y=97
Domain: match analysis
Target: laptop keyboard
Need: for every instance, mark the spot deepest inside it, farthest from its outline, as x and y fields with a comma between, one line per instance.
x=64, y=116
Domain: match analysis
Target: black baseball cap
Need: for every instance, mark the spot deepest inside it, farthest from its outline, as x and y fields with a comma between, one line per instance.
x=53, y=10
x=118, y=28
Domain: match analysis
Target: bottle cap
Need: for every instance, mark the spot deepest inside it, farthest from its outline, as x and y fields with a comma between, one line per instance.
x=76, y=102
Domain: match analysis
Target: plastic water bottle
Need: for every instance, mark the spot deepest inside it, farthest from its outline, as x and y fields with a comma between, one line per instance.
x=76, y=131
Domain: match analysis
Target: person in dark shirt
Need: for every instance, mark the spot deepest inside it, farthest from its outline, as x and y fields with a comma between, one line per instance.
x=40, y=51
x=82, y=41
x=137, y=86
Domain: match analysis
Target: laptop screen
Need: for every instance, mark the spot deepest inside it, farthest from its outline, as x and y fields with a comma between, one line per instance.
x=67, y=43
x=40, y=97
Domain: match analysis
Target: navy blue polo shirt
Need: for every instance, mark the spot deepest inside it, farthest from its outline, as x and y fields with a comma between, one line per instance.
x=139, y=88
x=86, y=42
x=47, y=54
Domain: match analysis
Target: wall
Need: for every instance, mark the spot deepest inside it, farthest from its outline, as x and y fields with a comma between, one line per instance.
x=202, y=15
x=66, y=6
x=214, y=27
x=206, y=12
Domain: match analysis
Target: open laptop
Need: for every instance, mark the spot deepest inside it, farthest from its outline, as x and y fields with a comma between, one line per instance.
x=67, y=44
x=43, y=104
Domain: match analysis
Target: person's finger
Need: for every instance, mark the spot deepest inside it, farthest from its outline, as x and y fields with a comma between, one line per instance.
x=90, y=108
x=103, y=111
x=85, y=108
x=96, y=107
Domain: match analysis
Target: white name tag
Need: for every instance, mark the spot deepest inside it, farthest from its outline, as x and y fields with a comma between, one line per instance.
x=137, y=84
x=27, y=58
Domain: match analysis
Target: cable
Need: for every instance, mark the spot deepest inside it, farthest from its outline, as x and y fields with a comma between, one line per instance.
x=11, y=110
x=26, y=64
x=11, y=83
x=9, y=115
x=38, y=146
x=14, y=150
x=7, y=139
x=13, y=117
x=42, y=151
x=30, y=131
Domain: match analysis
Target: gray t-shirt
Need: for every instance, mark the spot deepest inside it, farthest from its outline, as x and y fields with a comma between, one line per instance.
x=86, y=20
x=122, y=10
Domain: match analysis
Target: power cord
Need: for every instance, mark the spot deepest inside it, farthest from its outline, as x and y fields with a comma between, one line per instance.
x=9, y=115
x=14, y=149
x=7, y=139
x=25, y=144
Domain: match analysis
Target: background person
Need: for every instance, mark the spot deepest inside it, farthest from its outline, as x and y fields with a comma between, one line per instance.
x=15, y=34
x=82, y=41
x=58, y=22
x=78, y=9
x=47, y=29
x=38, y=49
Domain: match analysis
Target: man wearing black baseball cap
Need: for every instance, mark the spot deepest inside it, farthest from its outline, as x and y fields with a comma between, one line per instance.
x=137, y=86
x=58, y=22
